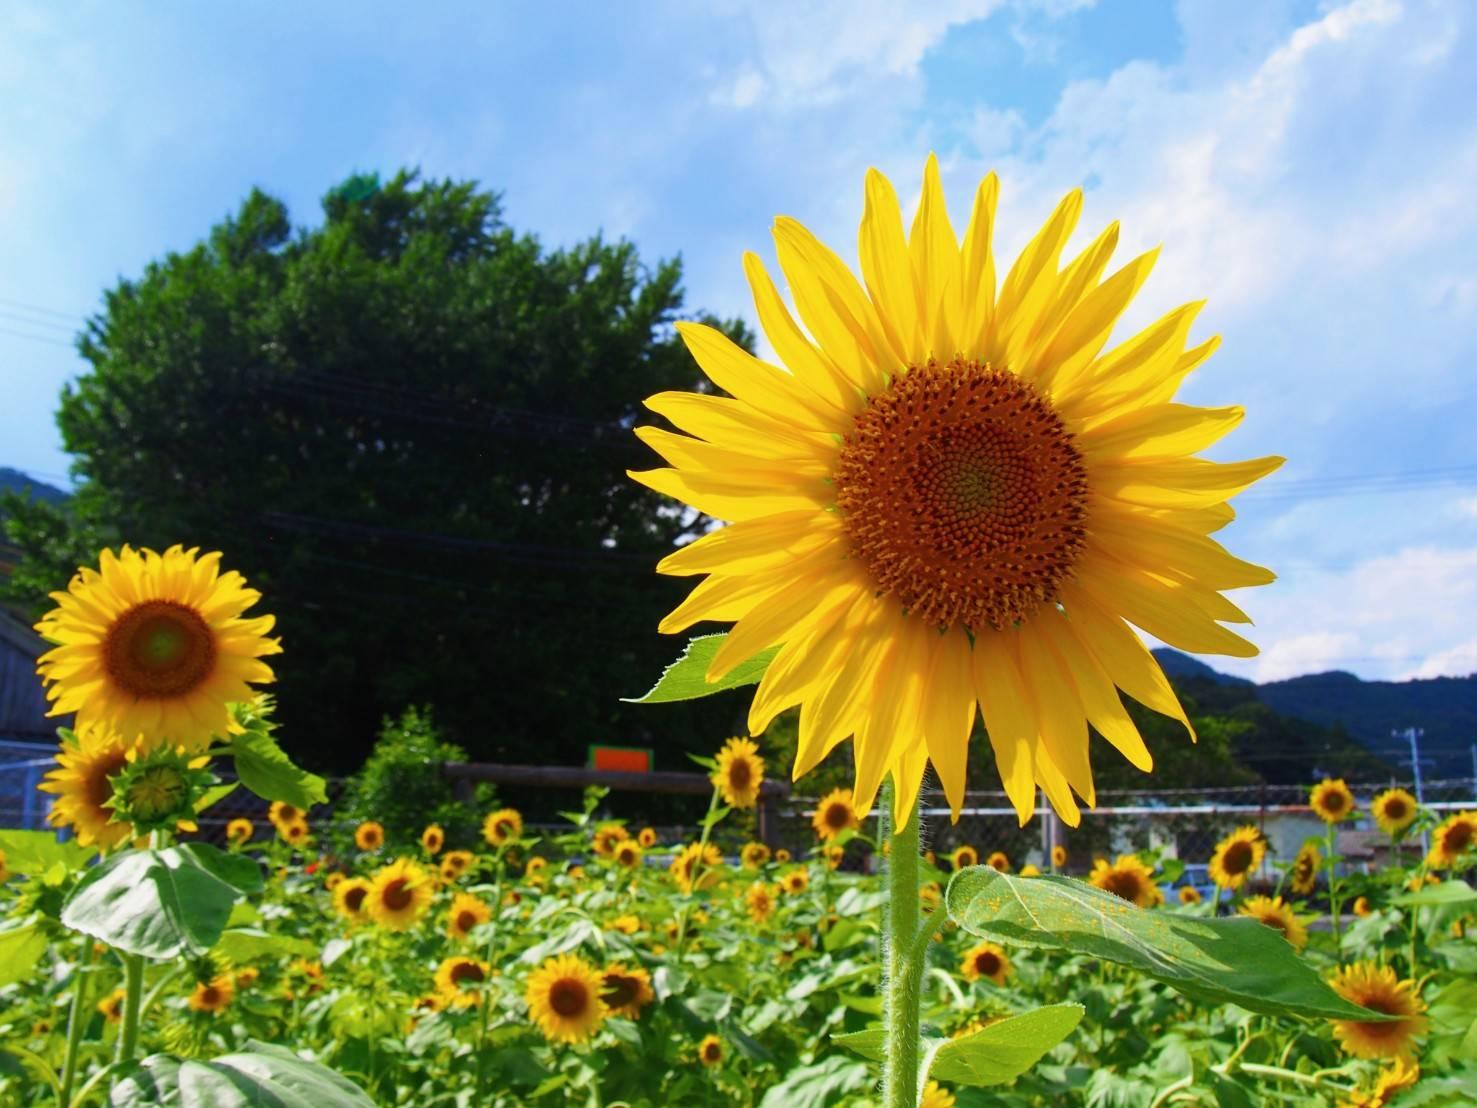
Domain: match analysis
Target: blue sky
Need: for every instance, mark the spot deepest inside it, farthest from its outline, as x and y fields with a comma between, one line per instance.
x=1307, y=166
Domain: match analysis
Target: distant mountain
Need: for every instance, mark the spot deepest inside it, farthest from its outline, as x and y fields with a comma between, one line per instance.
x=1445, y=708
x=13, y=480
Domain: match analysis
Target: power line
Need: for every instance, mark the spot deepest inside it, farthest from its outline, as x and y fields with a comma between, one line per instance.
x=40, y=310
x=35, y=338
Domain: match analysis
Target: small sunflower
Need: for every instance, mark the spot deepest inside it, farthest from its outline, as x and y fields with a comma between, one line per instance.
x=930, y=895
x=348, y=898
x=1394, y=810
x=503, y=827
x=627, y=853
x=985, y=960
x=246, y=977
x=998, y=861
x=626, y=925
x=433, y=838
x=834, y=854
x=280, y=812
x=1377, y=988
x=1277, y=914
x=84, y=764
x=1128, y=878
x=294, y=833
x=1452, y=839
x=710, y=1051
x=239, y=831
x=535, y=868
x=1303, y=877
x=646, y=837
x=466, y=912
x=155, y=645
x=334, y=880
x=795, y=882
x=111, y=1006
x=605, y=839
x=626, y=989
x=213, y=996
x=1190, y=895
x=1332, y=800
x=1400, y=1075
x=936, y=1096
x=399, y=895
x=964, y=857
x=740, y=773
x=759, y=900
x=1058, y=856
x=1236, y=857
x=369, y=835
x=834, y=814
x=696, y=867
x=782, y=856
x=563, y=997
x=753, y=855
x=1028, y=870
x=1361, y=907
x=457, y=979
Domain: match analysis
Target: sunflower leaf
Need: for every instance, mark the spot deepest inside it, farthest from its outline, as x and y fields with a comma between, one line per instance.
x=1005, y=1049
x=266, y=770
x=687, y=677
x=33, y=853
x=260, y=1073
x=1235, y=961
x=22, y=942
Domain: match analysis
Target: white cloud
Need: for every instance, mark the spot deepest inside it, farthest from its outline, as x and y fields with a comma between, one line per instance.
x=1458, y=661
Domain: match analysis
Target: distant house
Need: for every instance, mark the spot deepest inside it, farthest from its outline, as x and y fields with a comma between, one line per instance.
x=27, y=736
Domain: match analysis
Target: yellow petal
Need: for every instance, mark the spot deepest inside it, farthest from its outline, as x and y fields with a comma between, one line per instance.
x=1054, y=784
x=1158, y=430
x=738, y=466
x=780, y=615
x=768, y=388
x=1063, y=725
x=802, y=357
x=1099, y=696
x=797, y=672
x=893, y=718
x=1085, y=332
x=754, y=544
x=726, y=599
x=977, y=269
x=727, y=500
x=1075, y=281
x=1155, y=543
x=888, y=271
x=934, y=250
x=1119, y=380
x=948, y=713
x=729, y=422
x=1029, y=284
x=831, y=715
x=907, y=779
x=1162, y=609
x=1178, y=482
x=1009, y=718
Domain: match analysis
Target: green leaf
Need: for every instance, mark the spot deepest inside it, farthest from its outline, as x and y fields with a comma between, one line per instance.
x=161, y=903
x=820, y=1085
x=22, y=942
x=870, y=1044
x=246, y=944
x=211, y=796
x=33, y=853
x=1448, y=892
x=267, y=771
x=260, y=1076
x=1004, y=1050
x=1235, y=961
x=686, y=678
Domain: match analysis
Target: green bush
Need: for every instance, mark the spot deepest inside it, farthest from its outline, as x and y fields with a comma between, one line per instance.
x=401, y=786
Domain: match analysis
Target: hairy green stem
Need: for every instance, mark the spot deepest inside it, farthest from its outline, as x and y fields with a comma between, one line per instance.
x=902, y=976
x=1333, y=898
x=697, y=869
x=133, y=996
x=74, y=1023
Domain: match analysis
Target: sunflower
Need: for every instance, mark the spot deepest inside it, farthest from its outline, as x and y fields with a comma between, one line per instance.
x=696, y=866
x=834, y=854
x=457, y=979
x=1276, y=913
x=606, y=836
x=936, y=1096
x=1028, y=870
x=760, y=901
x=466, y=912
x=646, y=837
x=1377, y=988
x=626, y=925
x=628, y=853
x=399, y=894
x=795, y=882
x=111, y=1006
x=563, y=997
x=294, y=833
x=951, y=496
x=239, y=831
x=740, y=773
x=753, y=855
x=985, y=960
x=348, y=898
x=433, y=839
x=626, y=989
x=930, y=895
x=1190, y=895
x=1332, y=800
x=710, y=1051
x=454, y=863
x=834, y=813
x=535, y=868
x=1453, y=838
x=4, y=867
x=1361, y=907
x=502, y=827
x=998, y=861
x=1401, y=1074
x=1394, y=810
x=1303, y=877
x=369, y=835
x=279, y=811
x=155, y=645
x=781, y=855
x=964, y=857
x=246, y=977
x=1058, y=857
x=1236, y=857
x=1128, y=878
x=214, y=995
x=84, y=763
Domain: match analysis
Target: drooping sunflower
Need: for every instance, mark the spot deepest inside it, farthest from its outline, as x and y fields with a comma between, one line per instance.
x=696, y=867
x=1190, y=895
x=1394, y=810
x=80, y=782
x=349, y=896
x=740, y=773
x=563, y=997
x=759, y=900
x=399, y=895
x=998, y=861
x=646, y=837
x=605, y=838
x=1277, y=914
x=155, y=645
x=1331, y=800
x=936, y=1096
x=710, y=1051
x=1237, y=857
x=213, y=996
x=457, y=979
x=964, y=857
x=503, y=827
x=1058, y=856
x=948, y=497
x=369, y=835
x=433, y=838
x=1455, y=836
x=627, y=853
x=239, y=831
x=834, y=854
x=986, y=960
x=454, y=863
x=111, y=1006
x=466, y=912
x=1128, y=877
x=1377, y=988
x=795, y=882
x=1302, y=878
x=834, y=814
x=626, y=989
x=535, y=868
x=753, y=855
x=1400, y=1075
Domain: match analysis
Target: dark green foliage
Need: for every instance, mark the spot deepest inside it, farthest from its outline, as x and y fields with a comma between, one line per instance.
x=400, y=785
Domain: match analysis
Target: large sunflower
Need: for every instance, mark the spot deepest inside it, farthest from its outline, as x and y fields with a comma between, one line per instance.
x=1377, y=988
x=1455, y=836
x=1236, y=857
x=84, y=763
x=626, y=989
x=1128, y=878
x=563, y=997
x=399, y=894
x=740, y=773
x=155, y=645
x=948, y=496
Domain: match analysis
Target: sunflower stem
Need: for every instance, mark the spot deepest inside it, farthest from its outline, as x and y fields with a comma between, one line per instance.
x=1333, y=898
x=697, y=869
x=902, y=976
x=74, y=1023
x=133, y=997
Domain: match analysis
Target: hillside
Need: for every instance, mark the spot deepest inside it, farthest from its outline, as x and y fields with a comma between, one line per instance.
x=13, y=480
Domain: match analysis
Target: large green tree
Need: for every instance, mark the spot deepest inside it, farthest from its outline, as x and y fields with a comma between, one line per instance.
x=409, y=427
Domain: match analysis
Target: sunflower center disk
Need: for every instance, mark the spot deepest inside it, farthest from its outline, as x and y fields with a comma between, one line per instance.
x=568, y=998
x=962, y=492
x=159, y=648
